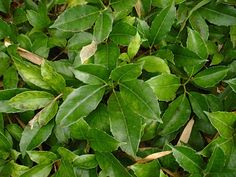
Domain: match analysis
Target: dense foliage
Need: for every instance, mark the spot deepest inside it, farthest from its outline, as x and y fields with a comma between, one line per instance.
x=117, y=88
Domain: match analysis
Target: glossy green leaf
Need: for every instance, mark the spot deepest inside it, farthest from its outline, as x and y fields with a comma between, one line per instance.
x=147, y=169
x=125, y=124
x=164, y=86
x=223, y=122
x=126, y=72
x=122, y=33
x=55, y=80
x=211, y=76
x=30, y=73
x=188, y=159
x=79, y=103
x=232, y=84
x=196, y=43
x=120, y=5
x=101, y=141
x=162, y=24
x=110, y=165
x=34, y=136
x=216, y=162
x=140, y=98
x=175, y=116
x=10, y=78
x=199, y=24
x=154, y=64
x=107, y=54
x=77, y=18
x=92, y=74
x=103, y=26
x=42, y=157
x=31, y=100
x=219, y=14
x=38, y=171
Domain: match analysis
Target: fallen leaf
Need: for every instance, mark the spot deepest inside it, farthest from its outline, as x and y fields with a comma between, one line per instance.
x=186, y=133
x=154, y=156
x=88, y=51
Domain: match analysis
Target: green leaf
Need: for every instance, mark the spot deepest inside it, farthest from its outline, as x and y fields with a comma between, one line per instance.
x=77, y=18
x=164, y=86
x=78, y=40
x=125, y=124
x=15, y=130
x=199, y=24
x=31, y=100
x=107, y=54
x=218, y=14
x=5, y=6
x=86, y=161
x=5, y=144
x=175, y=116
x=147, y=169
x=211, y=76
x=223, y=122
x=134, y=46
x=34, y=136
x=52, y=78
x=65, y=170
x=38, y=171
x=93, y=74
x=127, y=72
x=110, y=165
x=5, y=60
x=140, y=98
x=232, y=83
x=188, y=159
x=233, y=35
x=188, y=60
x=30, y=73
x=38, y=20
x=216, y=162
x=42, y=157
x=79, y=104
x=79, y=130
x=154, y=64
x=103, y=26
x=10, y=78
x=122, y=33
x=101, y=141
x=120, y=5
x=196, y=43
x=162, y=24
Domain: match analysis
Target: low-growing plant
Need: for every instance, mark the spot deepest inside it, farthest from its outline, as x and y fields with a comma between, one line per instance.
x=117, y=88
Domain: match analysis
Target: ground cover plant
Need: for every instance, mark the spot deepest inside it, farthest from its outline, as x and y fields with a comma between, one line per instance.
x=117, y=88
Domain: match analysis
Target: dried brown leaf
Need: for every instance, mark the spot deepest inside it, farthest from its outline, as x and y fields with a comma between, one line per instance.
x=186, y=132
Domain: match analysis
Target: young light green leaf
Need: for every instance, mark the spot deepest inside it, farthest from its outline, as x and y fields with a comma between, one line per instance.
x=223, y=122
x=55, y=80
x=79, y=104
x=110, y=165
x=162, y=24
x=103, y=26
x=188, y=159
x=211, y=76
x=126, y=126
x=233, y=35
x=141, y=99
x=38, y=171
x=31, y=100
x=42, y=157
x=93, y=74
x=219, y=14
x=33, y=137
x=134, y=45
x=154, y=64
x=175, y=116
x=196, y=43
x=107, y=54
x=164, y=86
x=216, y=162
x=126, y=72
x=77, y=18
